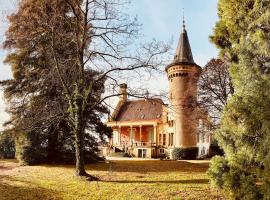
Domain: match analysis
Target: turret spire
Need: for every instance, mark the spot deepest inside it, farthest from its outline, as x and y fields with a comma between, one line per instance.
x=183, y=53
x=184, y=22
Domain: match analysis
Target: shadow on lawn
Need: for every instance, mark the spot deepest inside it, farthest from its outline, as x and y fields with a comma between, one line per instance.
x=142, y=167
x=12, y=189
x=8, y=160
x=149, y=166
x=5, y=168
x=194, y=181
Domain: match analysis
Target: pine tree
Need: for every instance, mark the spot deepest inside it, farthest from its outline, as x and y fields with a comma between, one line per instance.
x=243, y=34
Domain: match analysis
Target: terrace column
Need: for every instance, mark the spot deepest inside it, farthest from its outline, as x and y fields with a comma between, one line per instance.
x=155, y=134
x=119, y=134
x=141, y=135
x=131, y=134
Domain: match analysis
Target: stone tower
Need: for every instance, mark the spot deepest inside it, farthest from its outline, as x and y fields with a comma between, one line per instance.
x=183, y=74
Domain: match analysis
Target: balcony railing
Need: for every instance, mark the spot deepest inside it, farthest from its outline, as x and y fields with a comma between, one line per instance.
x=137, y=144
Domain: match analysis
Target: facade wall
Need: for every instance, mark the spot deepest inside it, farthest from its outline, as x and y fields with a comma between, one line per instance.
x=168, y=128
x=125, y=134
x=163, y=131
x=148, y=152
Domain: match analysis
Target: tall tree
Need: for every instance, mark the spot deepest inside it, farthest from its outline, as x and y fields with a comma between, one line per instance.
x=37, y=105
x=214, y=90
x=74, y=37
x=243, y=34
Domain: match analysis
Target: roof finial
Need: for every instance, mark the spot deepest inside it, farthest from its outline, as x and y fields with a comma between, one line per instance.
x=184, y=25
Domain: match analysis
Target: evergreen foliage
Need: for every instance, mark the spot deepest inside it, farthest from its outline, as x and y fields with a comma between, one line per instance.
x=243, y=35
x=7, y=145
x=29, y=149
x=38, y=108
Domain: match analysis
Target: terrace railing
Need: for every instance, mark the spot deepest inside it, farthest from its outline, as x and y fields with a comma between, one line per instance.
x=138, y=144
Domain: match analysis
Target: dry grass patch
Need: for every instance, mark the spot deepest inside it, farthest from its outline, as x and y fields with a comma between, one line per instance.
x=119, y=180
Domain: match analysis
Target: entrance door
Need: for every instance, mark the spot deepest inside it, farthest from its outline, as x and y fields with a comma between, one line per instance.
x=142, y=153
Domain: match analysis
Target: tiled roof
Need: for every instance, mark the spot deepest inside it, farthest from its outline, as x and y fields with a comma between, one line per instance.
x=139, y=110
x=183, y=52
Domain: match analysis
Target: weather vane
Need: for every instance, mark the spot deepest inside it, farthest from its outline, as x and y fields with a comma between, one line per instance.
x=184, y=26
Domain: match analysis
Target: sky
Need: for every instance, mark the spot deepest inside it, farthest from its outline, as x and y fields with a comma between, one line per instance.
x=160, y=19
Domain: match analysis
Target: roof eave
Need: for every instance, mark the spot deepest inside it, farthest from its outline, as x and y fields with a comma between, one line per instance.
x=182, y=63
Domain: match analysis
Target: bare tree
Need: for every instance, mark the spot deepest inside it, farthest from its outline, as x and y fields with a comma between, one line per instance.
x=76, y=36
x=214, y=90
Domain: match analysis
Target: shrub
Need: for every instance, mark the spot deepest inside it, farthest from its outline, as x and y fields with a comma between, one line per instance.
x=162, y=156
x=215, y=150
x=127, y=155
x=29, y=148
x=185, y=153
x=68, y=157
x=31, y=155
x=236, y=182
x=7, y=146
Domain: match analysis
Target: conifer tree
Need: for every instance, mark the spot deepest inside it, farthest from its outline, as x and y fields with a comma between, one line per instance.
x=37, y=106
x=242, y=34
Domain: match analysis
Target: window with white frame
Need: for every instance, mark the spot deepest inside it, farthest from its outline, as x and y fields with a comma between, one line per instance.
x=170, y=139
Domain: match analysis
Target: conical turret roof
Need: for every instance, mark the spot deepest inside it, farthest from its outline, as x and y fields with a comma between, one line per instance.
x=183, y=52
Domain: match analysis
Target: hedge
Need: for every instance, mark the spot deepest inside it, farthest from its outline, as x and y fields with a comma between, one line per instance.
x=190, y=153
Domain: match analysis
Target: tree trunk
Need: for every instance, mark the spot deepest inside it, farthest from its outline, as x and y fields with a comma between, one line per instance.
x=53, y=152
x=79, y=132
x=79, y=147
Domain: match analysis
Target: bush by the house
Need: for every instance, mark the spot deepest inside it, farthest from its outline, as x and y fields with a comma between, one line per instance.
x=215, y=150
x=185, y=153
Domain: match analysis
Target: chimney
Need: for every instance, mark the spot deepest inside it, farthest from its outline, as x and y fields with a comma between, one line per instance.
x=123, y=92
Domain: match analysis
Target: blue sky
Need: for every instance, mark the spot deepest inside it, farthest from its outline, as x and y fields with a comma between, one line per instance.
x=160, y=19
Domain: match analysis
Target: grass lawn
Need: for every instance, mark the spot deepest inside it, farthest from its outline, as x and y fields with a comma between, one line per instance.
x=119, y=180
